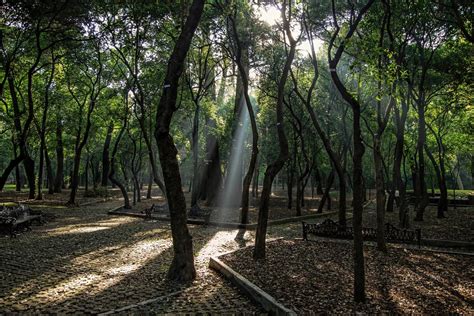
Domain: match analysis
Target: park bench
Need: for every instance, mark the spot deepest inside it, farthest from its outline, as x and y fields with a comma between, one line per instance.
x=14, y=218
x=156, y=208
x=330, y=228
x=198, y=213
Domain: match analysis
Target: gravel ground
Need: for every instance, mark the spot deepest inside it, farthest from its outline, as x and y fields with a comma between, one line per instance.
x=88, y=262
x=316, y=277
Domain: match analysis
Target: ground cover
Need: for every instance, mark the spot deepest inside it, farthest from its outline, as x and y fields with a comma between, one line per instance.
x=85, y=261
x=316, y=277
x=458, y=224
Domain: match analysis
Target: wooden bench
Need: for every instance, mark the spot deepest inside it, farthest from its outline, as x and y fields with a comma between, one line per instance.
x=330, y=228
x=18, y=217
x=156, y=208
x=198, y=213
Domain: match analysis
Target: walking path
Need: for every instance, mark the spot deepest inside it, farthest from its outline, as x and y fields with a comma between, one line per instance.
x=87, y=261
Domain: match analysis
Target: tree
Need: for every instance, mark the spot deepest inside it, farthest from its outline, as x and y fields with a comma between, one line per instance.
x=275, y=167
x=182, y=266
x=358, y=146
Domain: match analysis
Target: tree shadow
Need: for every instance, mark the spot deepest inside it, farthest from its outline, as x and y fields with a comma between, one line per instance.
x=96, y=270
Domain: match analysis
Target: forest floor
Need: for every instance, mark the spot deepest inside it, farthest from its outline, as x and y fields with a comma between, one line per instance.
x=318, y=278
x=83, y=260
x=458, y=224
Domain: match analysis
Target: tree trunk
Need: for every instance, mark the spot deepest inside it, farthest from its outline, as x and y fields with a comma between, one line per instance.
x=255, y=180
x=59, y=180
x=275, y=167
x=39, y=196
x=17, y=170
x=380, y=194
x=86, y=173
x=289, y=183
x=77, y=153
x=49, y=171
x=443, y=188
x=112, y=169
x=326, y=194
x=358, y=147
x=150, y=184
x=318, y=178
x=422, y=198
x=182, y=267
x=29, y=165
x=195, y=147
x=105, y=155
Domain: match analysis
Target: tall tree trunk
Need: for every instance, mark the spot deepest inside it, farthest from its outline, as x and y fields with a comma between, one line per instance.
x=443, y=188
x=49, y=171
x=326, y=195
x=29, y=165
x=289, y=183
x=333, y=156
x=255, y=180
x=150, y=184
x=105, y=155
x=182, y=267
x=275, y=167
x=358, y=147
x=77, y=153
x=59, y=180
x=318, y=178
x=422, y=198
x=112, y=168
x=39, y=195
x=380, y=193
x=86, y=173
x=399, y=184
x=17, y=169
x=195, y=147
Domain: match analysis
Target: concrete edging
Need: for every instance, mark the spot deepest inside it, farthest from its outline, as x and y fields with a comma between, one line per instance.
x=447, y=243
x=268, y=302
x=117, y=211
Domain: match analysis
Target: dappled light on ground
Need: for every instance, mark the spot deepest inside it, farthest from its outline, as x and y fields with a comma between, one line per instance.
x=401, y=281
x=88, y=228
x=88, y=262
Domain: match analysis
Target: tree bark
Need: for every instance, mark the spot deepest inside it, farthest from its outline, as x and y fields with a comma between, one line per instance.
x=59, y=180
x=112, y=168
x=105, y=155
x=326, y=194
x=275, y=167
x=182, y=267
x=358, y=147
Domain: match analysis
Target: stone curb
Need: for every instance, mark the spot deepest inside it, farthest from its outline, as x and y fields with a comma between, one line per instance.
x=396, y=245
x=447, y=243
x=118, y=211
x=268, y=302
